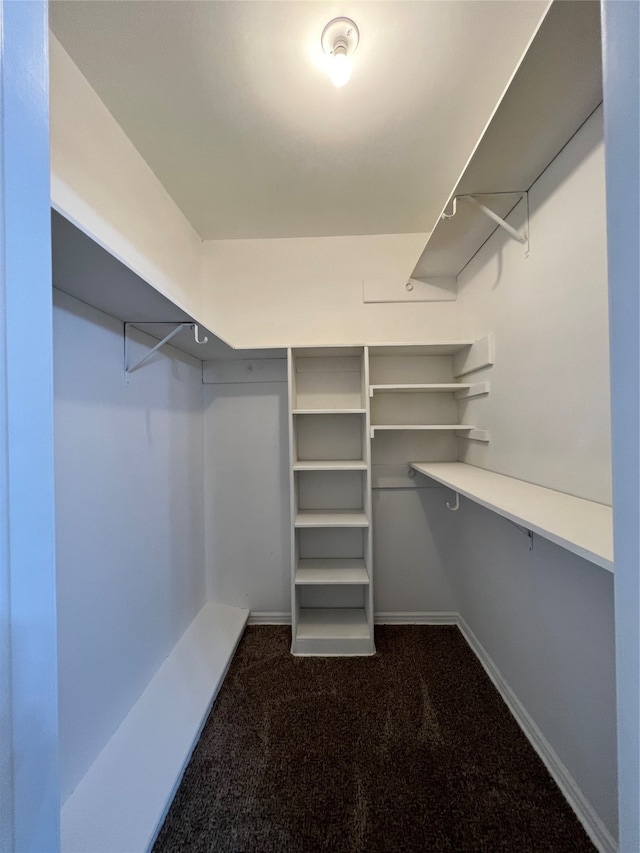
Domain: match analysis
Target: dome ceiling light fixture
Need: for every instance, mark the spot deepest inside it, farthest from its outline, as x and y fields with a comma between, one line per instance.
x=339, y=41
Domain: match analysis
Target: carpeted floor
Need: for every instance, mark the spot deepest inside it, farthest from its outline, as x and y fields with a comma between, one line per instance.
x=409, y=750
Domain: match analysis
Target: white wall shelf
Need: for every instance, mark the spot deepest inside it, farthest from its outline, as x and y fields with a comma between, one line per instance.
x=411, y=350
x=331, y=518
x=328, y=411
x=424, y=427
x=583, y=527
x=331, y=571
x=429, y=388
x=556, y=88
x=117, y=291
x=330, y=465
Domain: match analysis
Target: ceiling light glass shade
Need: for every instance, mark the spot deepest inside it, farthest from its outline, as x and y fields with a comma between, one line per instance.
x=340, y=67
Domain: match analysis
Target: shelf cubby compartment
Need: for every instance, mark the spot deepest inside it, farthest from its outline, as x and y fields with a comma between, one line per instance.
x=328, y=380
x=329, y=488
x=332, y=438
x=333, y=631
x=322, y=571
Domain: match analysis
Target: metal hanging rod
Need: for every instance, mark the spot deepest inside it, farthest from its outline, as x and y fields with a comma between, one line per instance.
x=178, y=328
x=513, y=232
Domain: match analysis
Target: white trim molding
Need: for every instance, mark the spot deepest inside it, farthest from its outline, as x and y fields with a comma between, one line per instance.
x=416, y=618
x=266, y=617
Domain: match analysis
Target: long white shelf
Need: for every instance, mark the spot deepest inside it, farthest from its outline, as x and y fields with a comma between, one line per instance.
x=81, y=268
x=583, y=527
x=555, y=89
x=432, y=427
x=432, y=387
x=330, y=465
x=331, y=518
x=331, y=571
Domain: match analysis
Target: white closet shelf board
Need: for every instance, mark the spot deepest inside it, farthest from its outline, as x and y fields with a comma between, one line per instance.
x=583, y=527
x=331, y=518
x=331, y=571
x=330, y=465
x=328, y=411
x=412, y=350
x=556, y=88
x=122, y=800
x=86, y=271
x=433, y=388
x=432, y=427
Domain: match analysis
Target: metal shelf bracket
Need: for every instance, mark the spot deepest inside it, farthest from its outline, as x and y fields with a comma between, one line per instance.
x=128, y=369
x=511, y=231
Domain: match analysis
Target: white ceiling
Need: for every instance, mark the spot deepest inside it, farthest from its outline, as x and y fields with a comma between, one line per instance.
x=230, y=105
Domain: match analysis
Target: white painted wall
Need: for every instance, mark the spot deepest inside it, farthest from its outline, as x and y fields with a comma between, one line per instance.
x=101, y=183
x=548, y=410
x=546, y=619
x=130, y=536
x=306, y=291
x=247, y=495
x=409, y=573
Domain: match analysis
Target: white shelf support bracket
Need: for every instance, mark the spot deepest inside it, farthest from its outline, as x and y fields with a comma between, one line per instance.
x=128, y=370
x=523, y=239
x=511, y=231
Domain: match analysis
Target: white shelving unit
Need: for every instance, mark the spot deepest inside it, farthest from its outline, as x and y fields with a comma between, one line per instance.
x=407, y=398
x=583, y=527
x=331, y=549
x=417, y=401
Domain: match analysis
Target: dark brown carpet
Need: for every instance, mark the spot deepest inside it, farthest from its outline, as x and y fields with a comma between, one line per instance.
x=409, y=750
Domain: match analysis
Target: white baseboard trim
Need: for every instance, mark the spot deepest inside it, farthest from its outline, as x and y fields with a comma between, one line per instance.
x=383, y=618
x=266, y=617
x=122, y=801
x=416, y=618
x=594, y=827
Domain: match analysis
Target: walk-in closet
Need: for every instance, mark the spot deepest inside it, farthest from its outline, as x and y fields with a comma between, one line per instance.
x=335, y=358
